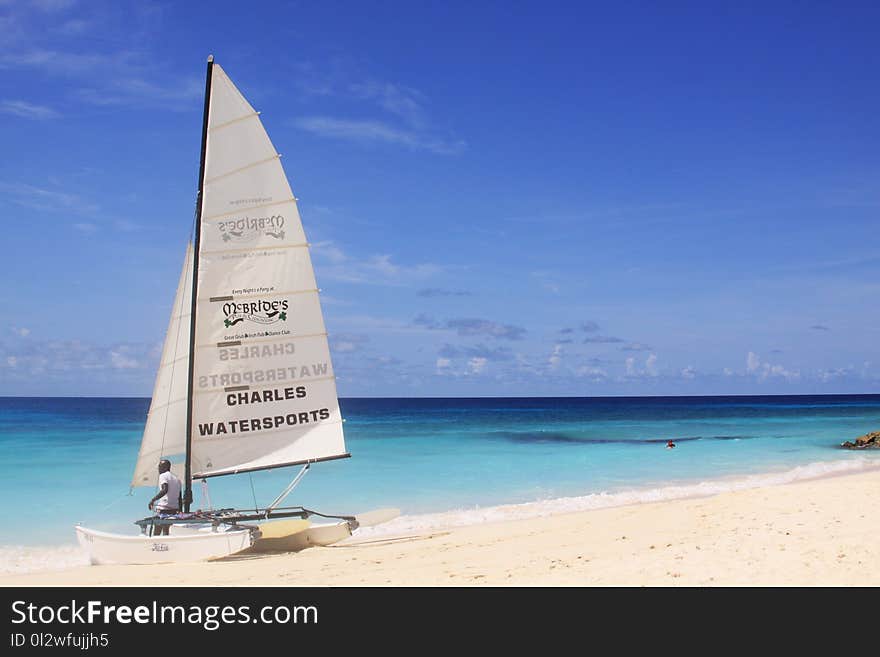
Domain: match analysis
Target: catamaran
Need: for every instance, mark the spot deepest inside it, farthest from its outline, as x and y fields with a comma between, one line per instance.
x=245, y=382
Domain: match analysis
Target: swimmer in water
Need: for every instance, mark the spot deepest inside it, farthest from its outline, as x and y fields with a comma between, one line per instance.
x=670, y=444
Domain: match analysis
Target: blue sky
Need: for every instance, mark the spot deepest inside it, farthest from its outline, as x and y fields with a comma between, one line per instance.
x=504, y=198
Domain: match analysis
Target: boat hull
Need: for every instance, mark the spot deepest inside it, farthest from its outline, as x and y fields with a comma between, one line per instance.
x=106, y=548
x=325, y=534
x=320, y=534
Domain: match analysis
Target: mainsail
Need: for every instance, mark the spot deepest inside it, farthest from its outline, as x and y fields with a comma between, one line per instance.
x=263, y=393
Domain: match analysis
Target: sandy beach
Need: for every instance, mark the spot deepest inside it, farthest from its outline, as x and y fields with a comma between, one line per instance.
x=823, y=532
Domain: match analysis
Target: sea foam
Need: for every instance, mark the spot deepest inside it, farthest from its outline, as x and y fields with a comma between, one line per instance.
x=408, y=524
x=20, y=559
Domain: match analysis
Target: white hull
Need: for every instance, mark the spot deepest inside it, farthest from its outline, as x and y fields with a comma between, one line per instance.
x=315, y=535
x=106, y=548
x=322, y=534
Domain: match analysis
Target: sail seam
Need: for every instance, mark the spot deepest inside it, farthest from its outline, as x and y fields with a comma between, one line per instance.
x=255, y=296
x=271, y=384
x=220, y=126
x=211, y=181
x=262, y=248
x=252, y=207
x=237, y=343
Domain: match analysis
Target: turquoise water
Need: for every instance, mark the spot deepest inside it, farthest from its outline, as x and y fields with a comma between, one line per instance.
x=67, y=460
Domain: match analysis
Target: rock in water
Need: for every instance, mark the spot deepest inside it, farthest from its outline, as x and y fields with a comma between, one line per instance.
x=868, y=440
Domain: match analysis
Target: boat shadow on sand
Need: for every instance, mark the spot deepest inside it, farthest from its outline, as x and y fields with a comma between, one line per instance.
x=254, y=554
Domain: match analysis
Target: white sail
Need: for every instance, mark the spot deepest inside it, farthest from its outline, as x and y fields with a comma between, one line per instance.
x=165, y=431
x=264, y=394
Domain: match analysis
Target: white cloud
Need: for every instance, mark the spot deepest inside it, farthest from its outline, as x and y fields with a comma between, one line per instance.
x=649, y=370
x=122, y=362
x=329, y=251
x=50, y=6
x=594, y=373
x=756, y=367
x=345, y=343
x=21, y=331
x=49, y=200
x=752, y=362
x=689, y=372
x=396, y=99
x=376, y=131
x=477, y=365
x=373, y=269
x=836, y=373
x=26, y=110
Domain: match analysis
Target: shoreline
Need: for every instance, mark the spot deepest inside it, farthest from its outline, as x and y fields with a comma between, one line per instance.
x=818, y=531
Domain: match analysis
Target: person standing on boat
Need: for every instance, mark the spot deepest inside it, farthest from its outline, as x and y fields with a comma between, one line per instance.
x=167, y=500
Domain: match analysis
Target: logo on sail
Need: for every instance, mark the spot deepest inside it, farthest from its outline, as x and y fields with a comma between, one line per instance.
x=247, y=229
x=260, y=312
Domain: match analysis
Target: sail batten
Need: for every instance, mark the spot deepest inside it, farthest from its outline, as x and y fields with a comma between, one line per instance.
x=252, y=207
x=244, y=167
x=220, y=126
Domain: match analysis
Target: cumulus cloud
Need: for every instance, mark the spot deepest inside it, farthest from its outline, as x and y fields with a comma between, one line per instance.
x=74, y=357
x=472, y=327
x=477, y=365
x=819, y=327
x=827, y=375
x=594, y=373
x=634, y=371
x=589, y=326
x=763, y=370
x=602, y=339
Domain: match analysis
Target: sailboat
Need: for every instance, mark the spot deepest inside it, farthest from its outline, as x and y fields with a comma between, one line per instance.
x=245, y=383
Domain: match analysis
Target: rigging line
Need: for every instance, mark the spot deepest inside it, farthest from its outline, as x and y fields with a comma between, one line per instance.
x=97, y=517
x=116, y=501
x=254, y=493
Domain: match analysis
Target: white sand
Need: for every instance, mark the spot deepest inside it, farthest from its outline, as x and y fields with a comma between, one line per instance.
x=820, y=532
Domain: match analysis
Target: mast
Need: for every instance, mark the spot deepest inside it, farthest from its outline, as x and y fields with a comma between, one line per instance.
x=187, y=494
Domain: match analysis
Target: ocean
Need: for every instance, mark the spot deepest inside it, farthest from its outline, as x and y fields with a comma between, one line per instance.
x=442, y=462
